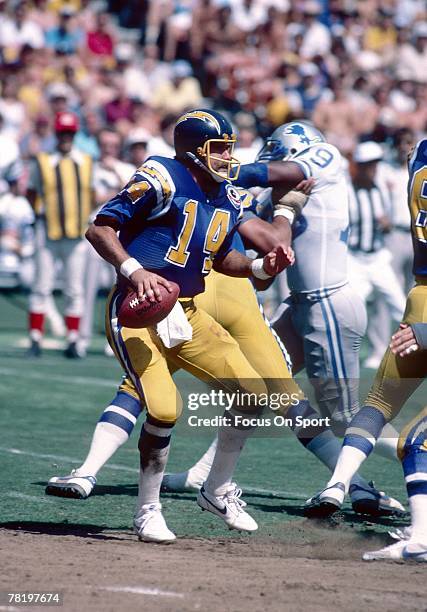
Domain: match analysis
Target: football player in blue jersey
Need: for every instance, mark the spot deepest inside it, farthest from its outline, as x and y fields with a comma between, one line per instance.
x=233, y=304
x=402, y=370
x=176, y=220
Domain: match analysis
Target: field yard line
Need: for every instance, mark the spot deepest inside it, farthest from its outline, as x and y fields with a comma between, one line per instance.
x=10, y=608
x=272, y=492
x=142, y=591
x=111, y=466
x=31, y=498
x=125, y=468
x=71, y=380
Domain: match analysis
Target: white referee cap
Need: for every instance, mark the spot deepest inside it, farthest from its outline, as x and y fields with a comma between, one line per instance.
x=138, y=136
x=367, y=152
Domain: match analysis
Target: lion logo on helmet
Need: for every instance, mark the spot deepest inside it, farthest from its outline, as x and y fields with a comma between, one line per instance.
x=296, y=129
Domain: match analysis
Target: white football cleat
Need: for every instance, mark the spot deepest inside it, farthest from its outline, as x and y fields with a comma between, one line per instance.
x=76, y=487
x=229, y=507
x=393, y=552
x=150, y=526
x=181, y=482
x=370, y=501
x=326, y=502
x=401, y=534
x=415, y=552
x=403, y=550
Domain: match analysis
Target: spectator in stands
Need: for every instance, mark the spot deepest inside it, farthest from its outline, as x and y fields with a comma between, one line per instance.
x=121, y=105
x=316, y=39
x=309, y=90
x=162, y=144
x=12, y=109
x=179, y=93
x=19, y=30
x=411, y=57
x=336, y=118
x=248, y=144
x=100, y=41
x=136, y=146
x=39, y=138
x=66, y=38
x=86, y=139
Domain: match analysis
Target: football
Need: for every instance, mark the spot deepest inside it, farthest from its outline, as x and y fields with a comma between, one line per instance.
x=137, y=313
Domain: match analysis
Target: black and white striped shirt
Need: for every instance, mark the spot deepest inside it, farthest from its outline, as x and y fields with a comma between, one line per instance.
x=367, y=205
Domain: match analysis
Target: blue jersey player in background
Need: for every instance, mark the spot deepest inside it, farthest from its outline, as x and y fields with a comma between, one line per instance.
x=403, y=368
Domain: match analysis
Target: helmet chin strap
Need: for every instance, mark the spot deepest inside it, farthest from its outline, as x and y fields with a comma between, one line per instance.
x=199, y=163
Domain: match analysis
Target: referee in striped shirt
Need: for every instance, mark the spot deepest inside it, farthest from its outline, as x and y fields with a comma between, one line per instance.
x=61, y=191
x=370, y=269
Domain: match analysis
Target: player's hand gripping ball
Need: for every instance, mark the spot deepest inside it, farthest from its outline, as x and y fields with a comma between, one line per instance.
x=137, y=313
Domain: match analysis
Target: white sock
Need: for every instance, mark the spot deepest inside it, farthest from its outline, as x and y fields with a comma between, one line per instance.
x=230, y=444
x=326, y=447
x=200, y=470
x=418, y=506
x=349, y=461
x=153, y=460
x=386, y=445
x=36, y=335
x=107, y=438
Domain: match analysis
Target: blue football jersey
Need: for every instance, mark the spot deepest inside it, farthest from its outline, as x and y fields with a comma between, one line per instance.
x=417, y=200
x=172, y=227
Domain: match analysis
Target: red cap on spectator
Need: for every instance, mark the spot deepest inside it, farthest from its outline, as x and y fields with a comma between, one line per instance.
x=66, y=122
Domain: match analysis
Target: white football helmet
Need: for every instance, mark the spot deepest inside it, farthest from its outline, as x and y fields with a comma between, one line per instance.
x=289, y=140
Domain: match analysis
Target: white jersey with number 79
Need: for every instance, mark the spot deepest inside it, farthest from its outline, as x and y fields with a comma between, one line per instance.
x=320, y=233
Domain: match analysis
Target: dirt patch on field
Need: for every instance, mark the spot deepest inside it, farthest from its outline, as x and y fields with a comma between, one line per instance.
x=302, y=567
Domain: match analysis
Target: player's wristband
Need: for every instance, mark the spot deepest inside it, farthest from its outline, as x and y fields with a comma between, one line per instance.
x=284, y=212
x=129, y=266
x=257, y=267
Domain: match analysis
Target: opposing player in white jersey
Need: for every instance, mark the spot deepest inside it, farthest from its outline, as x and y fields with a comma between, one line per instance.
x=323, y=321
x=323, y=316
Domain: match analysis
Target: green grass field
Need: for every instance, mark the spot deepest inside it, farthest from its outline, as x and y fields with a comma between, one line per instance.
x=50, y=406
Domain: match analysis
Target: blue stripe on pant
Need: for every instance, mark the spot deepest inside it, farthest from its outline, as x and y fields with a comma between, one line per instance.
x=337, y=354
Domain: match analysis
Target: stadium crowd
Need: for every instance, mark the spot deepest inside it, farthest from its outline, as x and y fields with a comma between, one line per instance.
x=357, y=69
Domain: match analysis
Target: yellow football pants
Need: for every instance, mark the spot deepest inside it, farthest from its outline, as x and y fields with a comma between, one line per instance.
x=231, y=340
x=398, y=377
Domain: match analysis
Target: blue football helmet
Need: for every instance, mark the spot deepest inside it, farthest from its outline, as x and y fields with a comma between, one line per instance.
x=289, y=140
x=195, y=133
